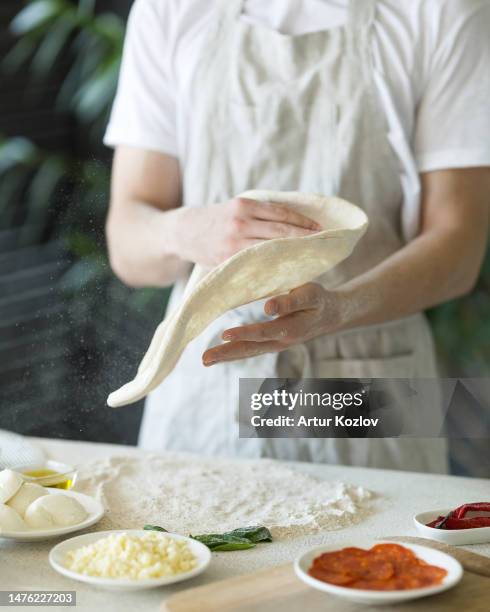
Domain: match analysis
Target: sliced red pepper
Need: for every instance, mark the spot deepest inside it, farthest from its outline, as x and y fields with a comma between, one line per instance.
x=441, y=521
x=456, y=519
x=475, y=507
x=467, y=523
x=435, y=521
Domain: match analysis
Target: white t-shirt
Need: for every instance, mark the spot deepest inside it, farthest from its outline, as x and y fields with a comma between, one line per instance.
x=432, y=72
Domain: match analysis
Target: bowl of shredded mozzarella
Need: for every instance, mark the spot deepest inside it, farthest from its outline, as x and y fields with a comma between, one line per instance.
x=130, y=559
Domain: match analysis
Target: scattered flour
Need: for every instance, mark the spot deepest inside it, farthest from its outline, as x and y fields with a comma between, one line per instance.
x=186, y=494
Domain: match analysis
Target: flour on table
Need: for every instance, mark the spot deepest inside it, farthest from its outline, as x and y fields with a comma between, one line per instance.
x=186, y=494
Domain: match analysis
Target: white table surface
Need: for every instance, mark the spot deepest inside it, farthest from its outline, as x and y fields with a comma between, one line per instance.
x=403, y=494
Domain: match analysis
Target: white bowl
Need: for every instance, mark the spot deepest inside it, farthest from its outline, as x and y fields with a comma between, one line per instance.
x=434, y=557
x=480, y=535
x=58, y=554
x=94, y=509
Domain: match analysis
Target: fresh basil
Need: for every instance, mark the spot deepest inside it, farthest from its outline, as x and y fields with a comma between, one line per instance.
x=238, y=539
x=155, y=528
x=233, y=546
x=216, y=541
x=254, y=534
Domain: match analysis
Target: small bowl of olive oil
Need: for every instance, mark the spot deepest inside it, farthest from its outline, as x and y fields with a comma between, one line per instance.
x=49, y=474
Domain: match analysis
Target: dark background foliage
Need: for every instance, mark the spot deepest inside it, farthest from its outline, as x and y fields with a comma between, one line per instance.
x=69, y=331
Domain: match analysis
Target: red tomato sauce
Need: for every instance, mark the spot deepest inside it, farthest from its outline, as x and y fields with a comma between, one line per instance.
x=384, y=567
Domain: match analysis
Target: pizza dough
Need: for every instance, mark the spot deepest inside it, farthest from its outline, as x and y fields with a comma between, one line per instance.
x=260, y=271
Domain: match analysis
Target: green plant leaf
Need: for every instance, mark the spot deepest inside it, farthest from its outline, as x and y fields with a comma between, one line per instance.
x=86, y=8
x=82, y=245
x=238, y=539
x=18, y=54
x=18, y=150
x=45, y=181
x=223, y=542
x=12, y=185
x=51, y=46
x=141, y=299
x=40, y=196
x=35, y=15
x=155, y=528
x=81, y=274
x=96, y=94
x=111, y=28
x=254, y=534
x=88, y=54
x=237, y=544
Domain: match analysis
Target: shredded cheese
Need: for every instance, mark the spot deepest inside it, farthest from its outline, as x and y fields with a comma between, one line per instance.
x=152, y=555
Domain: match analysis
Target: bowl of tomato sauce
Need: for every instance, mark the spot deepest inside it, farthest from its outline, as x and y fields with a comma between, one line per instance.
x=378, y=571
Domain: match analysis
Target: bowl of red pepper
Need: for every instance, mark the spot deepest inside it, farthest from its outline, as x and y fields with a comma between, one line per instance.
x=466, y=524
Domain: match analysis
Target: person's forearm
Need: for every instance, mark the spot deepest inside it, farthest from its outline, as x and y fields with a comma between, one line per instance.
x=433, y=268
x=143, y=245
x=150, y=245
x=443, y=262
x=437, y=266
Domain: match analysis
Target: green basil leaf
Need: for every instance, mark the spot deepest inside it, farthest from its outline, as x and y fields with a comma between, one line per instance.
x=225, y=541
x=209, y=539
x=234, y=546
x=238, y=539
x=155, y=528
x=254, y=534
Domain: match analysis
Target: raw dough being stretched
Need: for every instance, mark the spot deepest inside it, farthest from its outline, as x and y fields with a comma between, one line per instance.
x=263, y=270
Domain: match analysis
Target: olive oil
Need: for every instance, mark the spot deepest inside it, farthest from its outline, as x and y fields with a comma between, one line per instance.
x=43, y=473
x=40, y=473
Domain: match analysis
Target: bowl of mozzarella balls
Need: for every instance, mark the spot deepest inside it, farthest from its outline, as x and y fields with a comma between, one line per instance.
x=29, y=511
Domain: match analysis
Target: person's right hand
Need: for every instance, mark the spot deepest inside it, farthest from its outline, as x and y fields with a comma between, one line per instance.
x=212, y=234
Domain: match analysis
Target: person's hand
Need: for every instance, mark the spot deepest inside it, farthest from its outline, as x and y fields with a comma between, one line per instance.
x=302, y=314
x=212, y=234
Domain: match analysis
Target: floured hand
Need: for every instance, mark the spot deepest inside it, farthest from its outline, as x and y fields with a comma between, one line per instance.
x=213, y=234
x=302, y=314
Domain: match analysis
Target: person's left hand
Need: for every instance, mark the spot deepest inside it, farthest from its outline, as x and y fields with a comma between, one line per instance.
x=302, y=314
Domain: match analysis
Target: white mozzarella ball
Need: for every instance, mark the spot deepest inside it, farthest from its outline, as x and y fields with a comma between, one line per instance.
x=28, y=492
x=38, y=517
x=63, y=510
x=10, y=483
x=10, y=520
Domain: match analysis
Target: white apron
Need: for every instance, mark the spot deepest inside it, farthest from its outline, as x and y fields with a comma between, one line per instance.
x=295, y=113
